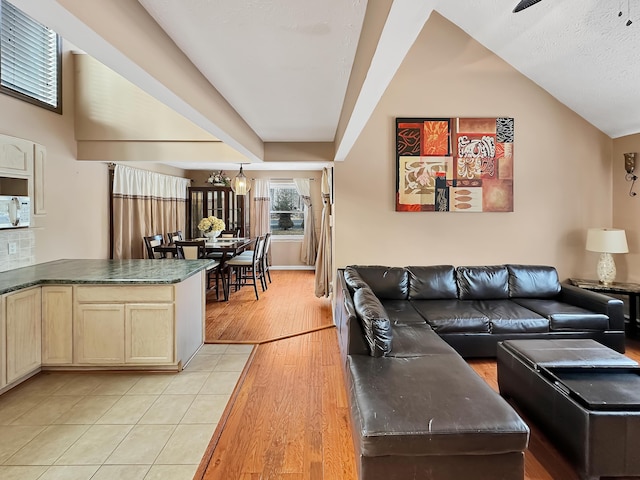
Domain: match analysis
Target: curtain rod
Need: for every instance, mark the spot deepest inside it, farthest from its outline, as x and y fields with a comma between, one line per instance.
x=280, y=179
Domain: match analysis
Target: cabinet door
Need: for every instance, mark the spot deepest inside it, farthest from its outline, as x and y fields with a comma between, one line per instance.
x=3, y=343
x=57, y=325
x=23, y=332
x=99, y=334
x=218, y=201
x=149, y=333
x=16, y=156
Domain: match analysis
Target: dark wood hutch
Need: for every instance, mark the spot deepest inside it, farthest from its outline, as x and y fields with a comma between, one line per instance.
x=221, y=202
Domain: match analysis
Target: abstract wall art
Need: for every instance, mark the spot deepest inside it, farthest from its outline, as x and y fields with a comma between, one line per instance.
x=454, y=164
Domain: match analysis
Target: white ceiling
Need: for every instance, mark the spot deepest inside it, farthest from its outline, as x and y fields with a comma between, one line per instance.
x=284, y=65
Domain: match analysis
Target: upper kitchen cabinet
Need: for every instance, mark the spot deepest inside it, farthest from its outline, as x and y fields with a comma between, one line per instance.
x=22, y=170
x=220, y=202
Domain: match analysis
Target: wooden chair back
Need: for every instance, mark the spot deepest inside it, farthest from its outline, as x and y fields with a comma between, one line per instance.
x=173, y=236
x=191, y=249
x=154, y=241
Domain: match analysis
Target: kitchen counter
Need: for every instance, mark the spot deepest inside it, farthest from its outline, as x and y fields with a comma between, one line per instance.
x=114, y=272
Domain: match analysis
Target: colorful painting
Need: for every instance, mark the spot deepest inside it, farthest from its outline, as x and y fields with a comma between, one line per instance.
x=454, y=164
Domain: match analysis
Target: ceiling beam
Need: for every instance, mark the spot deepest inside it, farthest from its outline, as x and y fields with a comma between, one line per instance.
x=124, y=37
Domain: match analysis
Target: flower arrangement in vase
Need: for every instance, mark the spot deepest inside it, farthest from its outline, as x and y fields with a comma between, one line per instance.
x=219, y=178
x=211, y=226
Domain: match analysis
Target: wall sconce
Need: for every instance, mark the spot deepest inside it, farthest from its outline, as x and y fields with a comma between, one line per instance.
x=240, y=184
x=630, y=166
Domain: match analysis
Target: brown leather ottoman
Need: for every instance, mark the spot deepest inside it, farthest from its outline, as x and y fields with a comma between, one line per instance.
x=583, y=395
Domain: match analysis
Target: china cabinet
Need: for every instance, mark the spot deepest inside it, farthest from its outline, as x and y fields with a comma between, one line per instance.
x=220, y=202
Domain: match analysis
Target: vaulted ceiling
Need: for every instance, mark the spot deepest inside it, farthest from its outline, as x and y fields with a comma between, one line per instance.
x=298, y=79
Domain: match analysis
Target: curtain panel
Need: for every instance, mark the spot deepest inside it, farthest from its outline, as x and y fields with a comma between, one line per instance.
x=324, y=259
x=309, y=244
x=145, y=203
x=261, y=211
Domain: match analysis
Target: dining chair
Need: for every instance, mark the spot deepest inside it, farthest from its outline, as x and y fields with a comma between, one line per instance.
x=173, y=236
x=263, y=261
x=247, y=269
x=230, y=233
x=195, y=249
x=265, y=257
x=154, y=241
x=190, y=249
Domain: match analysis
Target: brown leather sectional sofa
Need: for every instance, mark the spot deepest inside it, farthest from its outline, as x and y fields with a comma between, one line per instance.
x=418, y=409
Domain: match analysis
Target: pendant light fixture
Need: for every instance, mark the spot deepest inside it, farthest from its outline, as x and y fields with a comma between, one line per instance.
x=240, y=183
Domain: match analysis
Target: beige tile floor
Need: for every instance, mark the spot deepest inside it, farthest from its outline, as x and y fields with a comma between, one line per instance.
x=125, y=426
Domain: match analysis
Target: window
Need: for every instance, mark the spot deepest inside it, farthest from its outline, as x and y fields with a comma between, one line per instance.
x=30, y=56
x=287, y=209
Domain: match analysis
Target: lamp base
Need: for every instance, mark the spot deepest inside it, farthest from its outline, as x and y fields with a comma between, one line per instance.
x=606, y=269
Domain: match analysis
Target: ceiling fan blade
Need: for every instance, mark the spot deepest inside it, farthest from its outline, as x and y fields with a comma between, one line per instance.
x=524, y=4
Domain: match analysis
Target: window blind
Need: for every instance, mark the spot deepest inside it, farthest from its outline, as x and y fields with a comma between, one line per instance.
x=29, y=58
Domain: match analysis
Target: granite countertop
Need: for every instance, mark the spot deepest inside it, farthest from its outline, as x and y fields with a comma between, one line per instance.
x=114, y=272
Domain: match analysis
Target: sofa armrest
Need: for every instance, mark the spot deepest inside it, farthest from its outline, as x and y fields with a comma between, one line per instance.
x=596, y=302
x=350, y=332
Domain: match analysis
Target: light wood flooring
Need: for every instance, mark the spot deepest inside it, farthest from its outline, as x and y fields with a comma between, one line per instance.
x=288, y=417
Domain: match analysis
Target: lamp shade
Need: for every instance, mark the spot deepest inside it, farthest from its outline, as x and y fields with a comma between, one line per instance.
x=607, y=240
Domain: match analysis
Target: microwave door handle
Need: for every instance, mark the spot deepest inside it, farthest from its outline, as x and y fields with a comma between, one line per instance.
x=14, y=211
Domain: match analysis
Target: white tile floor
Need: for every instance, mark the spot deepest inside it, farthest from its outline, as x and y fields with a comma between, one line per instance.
x=125, y=426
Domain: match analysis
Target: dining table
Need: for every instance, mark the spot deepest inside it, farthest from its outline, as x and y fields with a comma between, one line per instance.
x=228, y=247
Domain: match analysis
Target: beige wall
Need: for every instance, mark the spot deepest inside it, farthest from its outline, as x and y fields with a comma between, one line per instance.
x=626, y=209
x=562, y=172
x=76, y=224
x=284, y=253
x=77, y=219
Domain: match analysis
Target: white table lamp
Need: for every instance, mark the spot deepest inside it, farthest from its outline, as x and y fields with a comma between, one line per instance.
x=606, y=241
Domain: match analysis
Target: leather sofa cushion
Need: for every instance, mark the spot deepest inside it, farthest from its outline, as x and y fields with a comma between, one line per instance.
x=353, y=279
x=418, y=340
x=432, y=282
x=533, y=281
x=563, y=353
x=506, y=316
x=452, y=316
x=483, y=282
x=563, y=316
x=401, y=312
x=428, y=405
x=386, y=282
x=375, y=322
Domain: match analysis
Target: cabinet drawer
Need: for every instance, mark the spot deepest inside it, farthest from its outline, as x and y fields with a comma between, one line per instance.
x=124, y=294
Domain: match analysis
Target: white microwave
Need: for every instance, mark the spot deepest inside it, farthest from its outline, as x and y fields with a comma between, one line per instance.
x=15, y=212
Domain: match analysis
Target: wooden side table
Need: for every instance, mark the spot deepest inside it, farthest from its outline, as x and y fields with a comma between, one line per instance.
x=632, y=290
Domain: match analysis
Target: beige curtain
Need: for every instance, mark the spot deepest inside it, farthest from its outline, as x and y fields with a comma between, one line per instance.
x=260, y=213
x=145, y=203
x=309, y=242
x=324, y=259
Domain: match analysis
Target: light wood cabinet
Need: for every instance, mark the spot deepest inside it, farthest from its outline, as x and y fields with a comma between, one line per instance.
x=99, y=334
x=124, y=325
x=3, y=344
x=57, y=325
x=16, y=156
x=23, y=323
x=149, y=333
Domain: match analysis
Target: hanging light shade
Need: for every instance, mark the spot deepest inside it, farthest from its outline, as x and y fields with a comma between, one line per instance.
x=240, y=183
